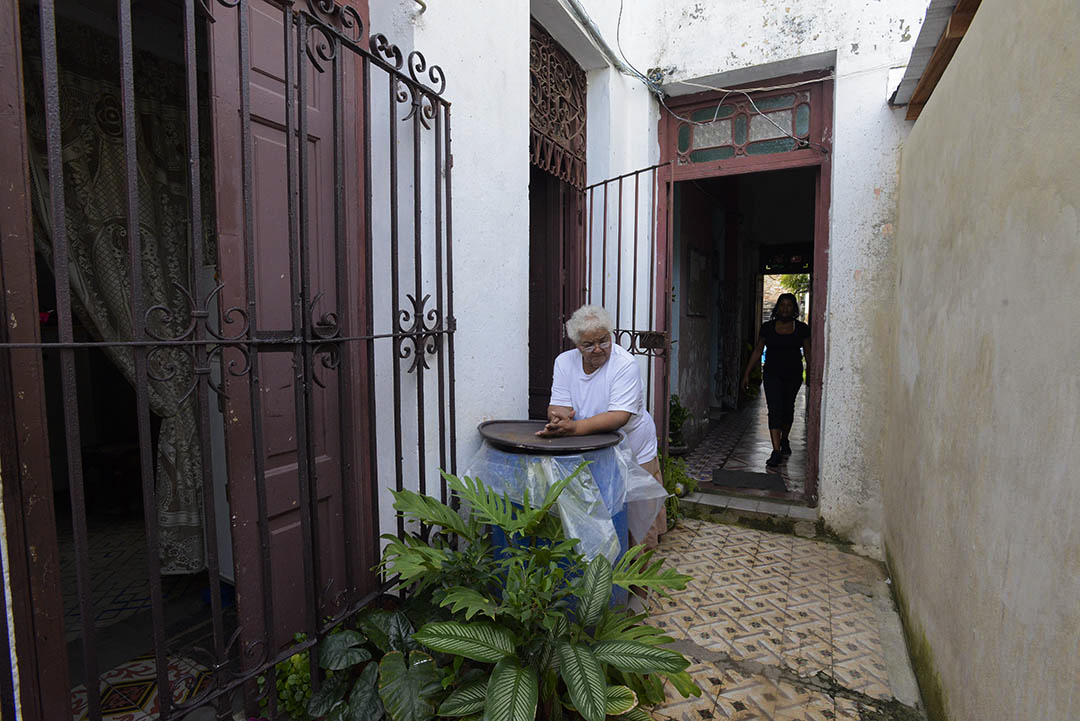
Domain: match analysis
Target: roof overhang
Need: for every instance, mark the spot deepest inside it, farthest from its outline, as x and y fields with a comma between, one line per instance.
x=944, y=27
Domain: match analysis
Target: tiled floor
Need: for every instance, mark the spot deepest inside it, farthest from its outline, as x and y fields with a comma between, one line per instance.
x=779, y=628
x=740, y=442
x=129, y=692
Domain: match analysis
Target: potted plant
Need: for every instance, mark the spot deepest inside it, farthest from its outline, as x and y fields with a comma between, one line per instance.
x=678, y=415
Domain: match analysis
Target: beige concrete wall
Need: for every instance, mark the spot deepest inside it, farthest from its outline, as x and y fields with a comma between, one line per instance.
x=982, y=499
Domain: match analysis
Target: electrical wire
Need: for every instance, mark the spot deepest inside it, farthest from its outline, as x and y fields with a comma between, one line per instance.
x=662, y=97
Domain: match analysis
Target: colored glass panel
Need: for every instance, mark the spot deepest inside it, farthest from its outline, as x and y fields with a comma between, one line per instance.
x=776, y=101
x=765, y=147
x=706, y=115
x=713, y=134
x=704, y=156
x=802, y=120
x=684, y=138
x=770, y=125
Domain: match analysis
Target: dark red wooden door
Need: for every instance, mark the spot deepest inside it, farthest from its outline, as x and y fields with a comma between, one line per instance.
x=281, y=436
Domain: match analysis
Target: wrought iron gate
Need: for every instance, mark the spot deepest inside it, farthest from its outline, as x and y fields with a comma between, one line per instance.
x=319, y=330
x=627, y=263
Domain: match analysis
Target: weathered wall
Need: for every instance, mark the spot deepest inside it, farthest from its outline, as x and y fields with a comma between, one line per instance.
x=982, y=496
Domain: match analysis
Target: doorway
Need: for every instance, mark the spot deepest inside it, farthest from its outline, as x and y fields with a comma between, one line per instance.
x=740, y=241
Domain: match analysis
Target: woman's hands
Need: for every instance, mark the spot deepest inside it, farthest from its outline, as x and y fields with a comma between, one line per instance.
x=560, y=423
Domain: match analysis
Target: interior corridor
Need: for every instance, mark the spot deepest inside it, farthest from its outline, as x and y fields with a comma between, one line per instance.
x=739, y=441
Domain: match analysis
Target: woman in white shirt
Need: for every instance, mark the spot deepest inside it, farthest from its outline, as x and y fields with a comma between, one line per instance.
x=596, y=388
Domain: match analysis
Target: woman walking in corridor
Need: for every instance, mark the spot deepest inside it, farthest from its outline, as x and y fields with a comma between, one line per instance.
x=788, y=341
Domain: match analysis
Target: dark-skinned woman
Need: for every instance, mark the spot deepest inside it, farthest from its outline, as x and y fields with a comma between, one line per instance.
x=788, y=341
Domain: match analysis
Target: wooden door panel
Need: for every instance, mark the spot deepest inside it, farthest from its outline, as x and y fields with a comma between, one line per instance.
x=275, y=299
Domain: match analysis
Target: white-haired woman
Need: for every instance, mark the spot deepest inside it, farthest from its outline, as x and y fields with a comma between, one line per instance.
x=596, y=388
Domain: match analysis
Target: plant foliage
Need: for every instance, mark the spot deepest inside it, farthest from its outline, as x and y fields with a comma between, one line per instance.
x=531, y=632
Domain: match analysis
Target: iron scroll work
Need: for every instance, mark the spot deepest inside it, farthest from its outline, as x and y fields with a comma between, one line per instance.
x=207, y=338
x=557, y=100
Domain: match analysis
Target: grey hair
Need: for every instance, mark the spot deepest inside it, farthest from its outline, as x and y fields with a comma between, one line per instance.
x=586, y=319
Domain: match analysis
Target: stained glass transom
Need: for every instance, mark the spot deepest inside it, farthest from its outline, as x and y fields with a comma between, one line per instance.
x=738, y=127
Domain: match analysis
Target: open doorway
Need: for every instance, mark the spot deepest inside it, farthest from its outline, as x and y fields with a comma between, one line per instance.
x=740, y=241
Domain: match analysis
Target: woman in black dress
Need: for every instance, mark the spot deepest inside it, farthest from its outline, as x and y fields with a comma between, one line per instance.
x=788, y=341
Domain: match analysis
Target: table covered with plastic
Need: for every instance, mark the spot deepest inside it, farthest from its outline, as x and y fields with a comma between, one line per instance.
x=611, y=501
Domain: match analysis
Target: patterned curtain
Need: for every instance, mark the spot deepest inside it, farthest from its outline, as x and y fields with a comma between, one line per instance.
x=98, y=245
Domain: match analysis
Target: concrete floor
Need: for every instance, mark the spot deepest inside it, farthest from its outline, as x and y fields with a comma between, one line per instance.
x=782, y=628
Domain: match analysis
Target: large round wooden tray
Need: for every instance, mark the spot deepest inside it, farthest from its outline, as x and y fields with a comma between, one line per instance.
x=520, y=437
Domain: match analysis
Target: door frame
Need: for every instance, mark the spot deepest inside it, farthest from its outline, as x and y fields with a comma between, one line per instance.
x=821, y=87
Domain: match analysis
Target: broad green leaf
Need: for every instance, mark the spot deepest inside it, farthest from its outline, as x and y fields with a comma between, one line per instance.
x=634, y=569
x=636, y=714
x=330, y=692
x=594, y=591
x=364, y=701
x=339, y=712
x=388, y=630
x=639, y=657
x=407, y=689
x=619, y=700
x=584, y=679
x=430, y=511
x=472, y=602
x=684, y=683
x=410, y=558
x=342, y=650
x=512, y=693
x=399, y=633
x=483, y=642
x=468, y=699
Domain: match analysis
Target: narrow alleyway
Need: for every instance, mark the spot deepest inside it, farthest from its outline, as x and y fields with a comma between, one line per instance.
x=782, y=628
x=740, y=442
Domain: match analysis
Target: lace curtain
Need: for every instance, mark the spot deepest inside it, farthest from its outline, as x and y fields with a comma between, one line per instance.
x=95, y=177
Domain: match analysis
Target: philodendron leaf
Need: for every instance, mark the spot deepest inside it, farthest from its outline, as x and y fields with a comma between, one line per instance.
x=512, y=693
x=418, y=507
x=468, y=699
x=332, y=690
x=639, y=657
x=634, y=569
x=483, y=642
x=407, y=689
x=594, y=591
x=584, y=680
x=364, y=701
x=342, y=650
x=459, y=598
x=619, y=700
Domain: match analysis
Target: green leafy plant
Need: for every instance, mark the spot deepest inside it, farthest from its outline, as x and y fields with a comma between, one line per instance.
x=533, y=634
x=678, y=482
x=678, y=415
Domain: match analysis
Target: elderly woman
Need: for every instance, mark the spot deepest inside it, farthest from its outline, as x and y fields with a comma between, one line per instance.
x=596, y=388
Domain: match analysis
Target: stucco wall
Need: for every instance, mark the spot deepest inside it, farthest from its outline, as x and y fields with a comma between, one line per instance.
x=982, y=497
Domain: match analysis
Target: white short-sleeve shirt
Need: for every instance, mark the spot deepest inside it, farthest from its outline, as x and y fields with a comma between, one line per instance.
x=614, y=386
